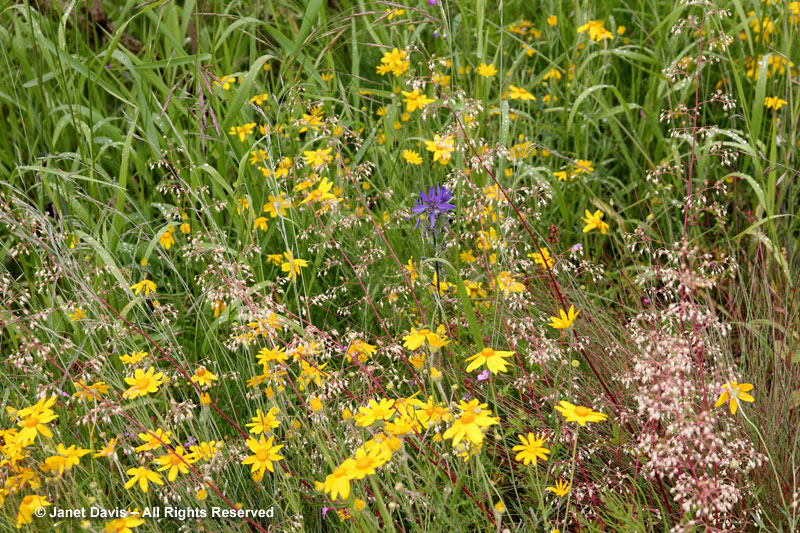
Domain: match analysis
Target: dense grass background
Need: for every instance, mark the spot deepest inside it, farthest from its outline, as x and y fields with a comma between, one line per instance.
x=104, y=148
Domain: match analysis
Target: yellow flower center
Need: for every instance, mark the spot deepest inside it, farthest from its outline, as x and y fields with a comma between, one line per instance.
x=143, y=383
x=32, y=422
x=468, y=418
x=582, y=411
x=262, y=454
x=363, y=463
x=487, y=352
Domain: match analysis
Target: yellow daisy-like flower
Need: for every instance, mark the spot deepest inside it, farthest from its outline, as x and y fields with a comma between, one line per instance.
x=393, y=13
x=143, y=383
x=292, y=265
x=412, y=157
x=579, y=414
x=561, y=489
x=417, y=360
x=487, y=71
x=203, y=377
x=436, y=341
x=124, y=524
x=264, y=423
x=72, y=455
x=277, y=206
x=259, y=99
x=494, y=360
x=132, y=358
x=506, y=283
x=89, y=392
x=107, y=450
x=583, y=165
x=467, y=257
x=773, y=102
x=318, y=158
x=143, y=476
x=166, y=239
x=218, y=307
x=734, y=392
x=267, y=355
x=145, y=285
x=206, y=450
x=366, y=461
x=471, y=424
x=597, y=30
x=416, y=338
x=321, y=193
x=543, y=258
x=518, y=93
x=225, y=82
x=565, y=319
x=153, y=439
x=338, y=483
x=375, y=411
x=442, y=148
x=315, y=403
x=360, y=350
x=28, y=507
x=415, y=100
x=261, y=223
x=243, y=131
x=531, y=449
x=176, y=462
x=33, y=425
x=594, y=220
x=264, y=455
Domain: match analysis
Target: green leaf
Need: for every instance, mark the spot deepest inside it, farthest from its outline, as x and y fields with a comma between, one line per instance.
x=309, y=18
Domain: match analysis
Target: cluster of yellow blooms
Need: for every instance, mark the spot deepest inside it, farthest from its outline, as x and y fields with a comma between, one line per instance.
x=360, y=350
x=395, y=62
x=33, y=422
x=372, y=455
x=597, y=30
x=776, y=65
x=442, y=148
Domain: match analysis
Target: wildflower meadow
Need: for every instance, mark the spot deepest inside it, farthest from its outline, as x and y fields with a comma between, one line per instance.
x=429, y=265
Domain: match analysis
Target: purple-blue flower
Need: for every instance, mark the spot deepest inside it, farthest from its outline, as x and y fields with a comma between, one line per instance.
x=436, y=202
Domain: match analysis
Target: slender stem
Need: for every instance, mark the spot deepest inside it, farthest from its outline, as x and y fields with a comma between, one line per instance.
x=769, y=455
x=494, y=393
x=571, y=476
x=438, y=271
x=541, y=495
x=384, y=512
